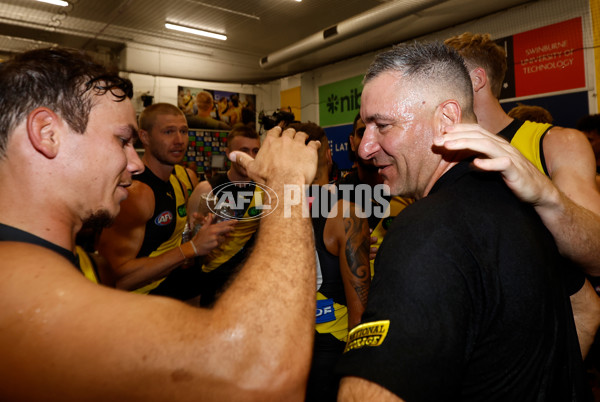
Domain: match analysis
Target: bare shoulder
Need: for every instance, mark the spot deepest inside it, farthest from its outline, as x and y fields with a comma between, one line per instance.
x=139, y=202
x=58, y=324
x=561, y=139
x=564, y=134
x=568, y=148
x=193, y=176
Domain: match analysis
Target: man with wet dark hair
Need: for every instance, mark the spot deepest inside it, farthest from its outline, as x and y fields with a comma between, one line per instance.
x=67, y=127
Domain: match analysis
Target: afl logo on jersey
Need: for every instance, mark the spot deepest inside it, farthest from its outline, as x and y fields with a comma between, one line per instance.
x=164, y=218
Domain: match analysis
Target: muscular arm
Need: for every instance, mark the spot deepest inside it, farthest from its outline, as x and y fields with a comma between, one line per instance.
x=347, y=236
x=193, y=177
x=573, y=213
x=569, y=205
x=120, y=243
x=356, y=389
x=586, y=312
x=114, y=345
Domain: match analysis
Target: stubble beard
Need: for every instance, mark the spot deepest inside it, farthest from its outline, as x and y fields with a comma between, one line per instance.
x=97, y=220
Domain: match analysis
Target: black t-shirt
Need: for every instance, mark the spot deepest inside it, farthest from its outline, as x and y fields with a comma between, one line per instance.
x=468, y=302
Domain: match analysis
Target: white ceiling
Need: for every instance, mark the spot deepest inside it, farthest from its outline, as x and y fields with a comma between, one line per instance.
x=255, y=29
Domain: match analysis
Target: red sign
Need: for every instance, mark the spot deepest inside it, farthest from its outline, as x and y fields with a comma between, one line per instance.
x=549, y=59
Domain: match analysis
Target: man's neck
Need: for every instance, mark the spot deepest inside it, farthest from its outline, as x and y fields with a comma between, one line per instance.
x=30, y=214
x=490, y=114
x=161, y=170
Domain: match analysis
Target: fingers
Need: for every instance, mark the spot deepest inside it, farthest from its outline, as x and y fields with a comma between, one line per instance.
x=274, y=132
x=315, y=144
x=372, y=253
x=289, y=132
x=224, y=226
x=241, y=158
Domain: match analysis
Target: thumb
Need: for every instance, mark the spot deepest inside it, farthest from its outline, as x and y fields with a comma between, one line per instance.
x=242, y=158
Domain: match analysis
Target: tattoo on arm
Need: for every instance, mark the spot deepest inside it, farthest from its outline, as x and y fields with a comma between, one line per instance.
x=357, y=255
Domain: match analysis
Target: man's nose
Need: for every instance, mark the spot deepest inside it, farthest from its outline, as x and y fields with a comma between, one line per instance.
x=369, y=144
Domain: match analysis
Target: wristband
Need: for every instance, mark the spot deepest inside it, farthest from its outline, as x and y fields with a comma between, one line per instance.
x=195, y=250
x=182, y=253
x=189, y=251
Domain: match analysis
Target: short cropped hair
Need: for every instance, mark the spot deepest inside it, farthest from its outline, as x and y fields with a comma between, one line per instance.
x=434, y=67
x=148, y=116
x=204, y=101
x=241, y=130
x=481, y=51
x=532, y=113
x=63, y=80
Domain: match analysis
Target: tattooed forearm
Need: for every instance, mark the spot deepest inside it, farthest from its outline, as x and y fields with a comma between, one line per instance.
x=357, y=255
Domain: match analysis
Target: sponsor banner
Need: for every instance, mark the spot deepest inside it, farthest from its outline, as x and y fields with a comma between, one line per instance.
x=338, y=143
x=325, y=311
x=547, y=59
x=339, y=102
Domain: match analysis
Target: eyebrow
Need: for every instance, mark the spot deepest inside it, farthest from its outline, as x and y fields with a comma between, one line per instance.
x=377, y=116
x=128, y=130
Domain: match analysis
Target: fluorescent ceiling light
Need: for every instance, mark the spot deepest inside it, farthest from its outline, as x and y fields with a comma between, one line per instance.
x=56, y=2
x=195, y=31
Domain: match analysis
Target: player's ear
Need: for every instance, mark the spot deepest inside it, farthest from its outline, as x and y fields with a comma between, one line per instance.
x=449, y=113
x=44, y=129
x=478, y=78
x=144, y=136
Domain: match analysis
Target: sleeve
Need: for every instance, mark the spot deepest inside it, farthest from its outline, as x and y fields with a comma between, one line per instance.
x=416, y=330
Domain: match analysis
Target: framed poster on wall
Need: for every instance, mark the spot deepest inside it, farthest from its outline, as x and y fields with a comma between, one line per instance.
x=216, y=110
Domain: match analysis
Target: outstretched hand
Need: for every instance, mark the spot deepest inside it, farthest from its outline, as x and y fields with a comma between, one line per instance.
x=284, y=158
x=211, y=234
x=497, y=155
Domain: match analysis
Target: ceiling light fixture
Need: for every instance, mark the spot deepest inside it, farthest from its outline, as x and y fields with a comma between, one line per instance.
x=56, y=2
x=195, y=31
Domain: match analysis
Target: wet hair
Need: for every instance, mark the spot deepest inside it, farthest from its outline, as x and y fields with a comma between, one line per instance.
x=481, y=51
x=63, y=80
x=241, y=130
x=589, y=123
x=148, y=115
x=432, y=67
x=532, y=113
x=314, y=131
